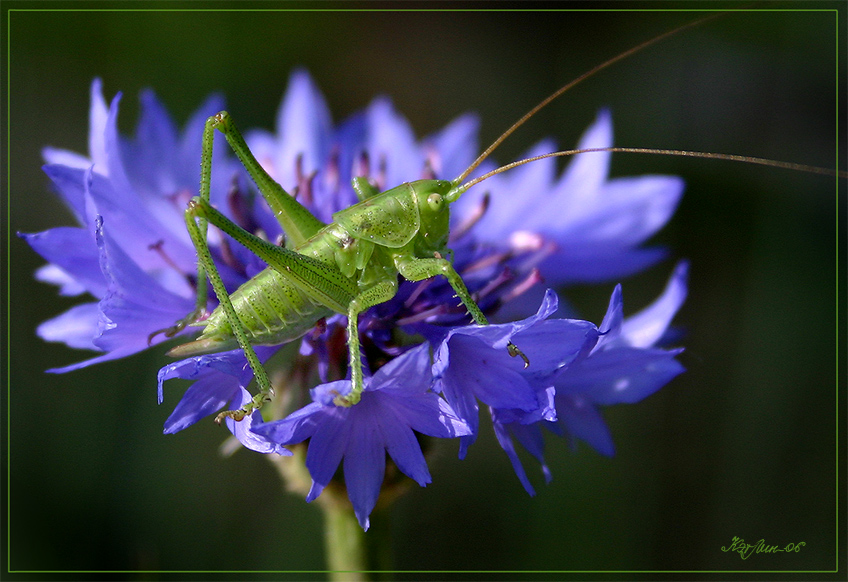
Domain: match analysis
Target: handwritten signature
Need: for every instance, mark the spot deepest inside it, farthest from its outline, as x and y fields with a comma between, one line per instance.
x=745, y=551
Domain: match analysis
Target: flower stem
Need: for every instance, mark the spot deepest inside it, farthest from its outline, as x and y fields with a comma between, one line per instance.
x=344, y=540
x=351, y=554
x=345, y=543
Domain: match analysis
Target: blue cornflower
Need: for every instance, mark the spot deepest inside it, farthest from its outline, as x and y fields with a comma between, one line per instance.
x=395, y=402
x=623, y=367
x=316, y=160
x=131, y=252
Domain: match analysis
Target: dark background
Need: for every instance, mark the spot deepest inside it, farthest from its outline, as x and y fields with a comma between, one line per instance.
x=743, y=444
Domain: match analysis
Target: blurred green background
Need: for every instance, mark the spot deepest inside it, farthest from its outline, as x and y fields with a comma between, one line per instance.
x=743, y=444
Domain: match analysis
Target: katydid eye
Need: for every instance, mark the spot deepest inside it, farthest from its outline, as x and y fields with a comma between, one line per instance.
x=435, y=201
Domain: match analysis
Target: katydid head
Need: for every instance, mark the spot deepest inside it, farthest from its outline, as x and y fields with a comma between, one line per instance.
x=433, y=208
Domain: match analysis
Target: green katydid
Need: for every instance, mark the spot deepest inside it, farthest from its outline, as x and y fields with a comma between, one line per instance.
x=346, y=266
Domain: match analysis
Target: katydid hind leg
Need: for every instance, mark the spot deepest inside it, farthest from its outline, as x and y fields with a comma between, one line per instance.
x=205, y=258
x=198, y=236
x=295, y=219
x=322, y=281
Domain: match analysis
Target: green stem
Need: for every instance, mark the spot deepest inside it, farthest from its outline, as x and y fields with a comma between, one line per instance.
x=344, y=540
x=345, y=543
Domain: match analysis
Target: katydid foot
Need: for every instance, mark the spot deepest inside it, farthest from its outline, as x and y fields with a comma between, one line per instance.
x=180, y=325
x=238, y=415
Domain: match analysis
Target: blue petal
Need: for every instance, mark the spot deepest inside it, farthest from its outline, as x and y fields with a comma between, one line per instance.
x=304, y=128
x=464, y=403
x=350, y=138
x=295, y=428
x=516, y=196
x=74, y=251
x=553, y=344
x=327, y=447
x=629, y=210
x=505, y=440
x=530, y=437
x=593, y=223
x=455, y=146
x=645, y=328
x=135, y=230
x=108, y=357
x=364, y=464
x=403, y=447
x=583, y=421
x=541, y=206
x=206, y=396
x=598, y=263
x=68, y=182
x=546, y=410
x=68, y=286
x=496, y=336
x=620, y=375
x=407, y=375
x=218, y=380
x=325, y=394
x=430, y=415
x=598, y=242
x=391, y=138
x=76, y=327
x=611, y=325
x=135, y=304
x=232, y=363
x=487, y=374
x=112, y=143
x=153, y=151
x=586, y=173
x=60, y=157
x=97, y=120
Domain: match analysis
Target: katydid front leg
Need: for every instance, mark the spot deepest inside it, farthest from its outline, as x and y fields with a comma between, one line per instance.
x=379, y=293
x=415, y=269
x=363, y=188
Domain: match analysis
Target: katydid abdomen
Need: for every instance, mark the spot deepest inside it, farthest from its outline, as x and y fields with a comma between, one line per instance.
x=272, y=310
